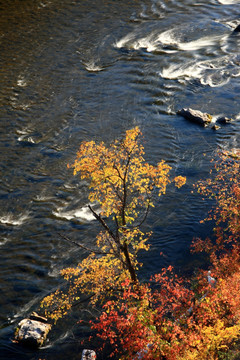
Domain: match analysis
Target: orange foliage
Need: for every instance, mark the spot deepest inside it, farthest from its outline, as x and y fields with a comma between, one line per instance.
x=166, y=319
x=224, y=187
x=172, y=322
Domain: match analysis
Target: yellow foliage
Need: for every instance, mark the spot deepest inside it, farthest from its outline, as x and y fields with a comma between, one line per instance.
x=120, y=179
x=211, y=339
x=122, y=183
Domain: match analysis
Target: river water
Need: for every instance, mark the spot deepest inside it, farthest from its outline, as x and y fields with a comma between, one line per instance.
x=81, y=70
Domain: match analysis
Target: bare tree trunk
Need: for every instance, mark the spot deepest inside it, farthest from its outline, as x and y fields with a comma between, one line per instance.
x=129, y=264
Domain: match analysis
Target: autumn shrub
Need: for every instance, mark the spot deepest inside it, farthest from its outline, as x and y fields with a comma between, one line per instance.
x=220, y=309
x=167, y=318
x=173, y=320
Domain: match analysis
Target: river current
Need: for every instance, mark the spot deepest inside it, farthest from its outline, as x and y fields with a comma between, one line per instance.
x=74, y=70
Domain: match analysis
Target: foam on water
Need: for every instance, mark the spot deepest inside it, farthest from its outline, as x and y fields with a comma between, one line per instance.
x=124, y=41
x=92, y=67
x=54, y=271
x=151, y=42
x=28, y=136
x=78, y=214
x=145, y=43
x=229, y=2
x=199, y=43
x=21, y=81
x=167, y=37
x=231, y=23
x=154, y=41
x=15, y=103
x=10, y=219
x=3, y=241
x=170, y=38
x=178, y=71
x=42, y=198
x=214, y=73
x=25, y=138
x=44, y=4
x=215, y=80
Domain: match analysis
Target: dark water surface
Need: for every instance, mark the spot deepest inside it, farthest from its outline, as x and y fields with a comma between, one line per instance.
x=81, y=70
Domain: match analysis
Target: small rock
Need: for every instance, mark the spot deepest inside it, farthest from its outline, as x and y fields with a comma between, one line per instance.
x=216, y=127
x=88, y=355
x=224, y=120
x=233, y=153
x=211, y=280
x=35, y=316
x=32, y=332
x=237, y=29
x=141, y=354
x=196, y=116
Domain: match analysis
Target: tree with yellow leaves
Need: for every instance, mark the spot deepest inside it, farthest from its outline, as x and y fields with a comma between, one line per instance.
x=122, y=183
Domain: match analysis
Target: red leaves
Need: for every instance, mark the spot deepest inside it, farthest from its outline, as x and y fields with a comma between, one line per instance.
x=224, y=187
x=148, y=317
x=166, y=319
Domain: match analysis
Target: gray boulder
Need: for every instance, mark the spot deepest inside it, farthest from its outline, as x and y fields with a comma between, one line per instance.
x=32, y=331
x=88, y=355
x=196, y=116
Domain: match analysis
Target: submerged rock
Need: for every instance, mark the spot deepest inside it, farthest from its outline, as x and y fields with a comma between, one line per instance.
x=224, y=120
x=88, y=355
x=196, y=116
x=237, y=29
x=216, y=127
x=32, y=331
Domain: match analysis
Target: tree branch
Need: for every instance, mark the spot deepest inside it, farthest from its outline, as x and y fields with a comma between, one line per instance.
x=115, y=239
x=82, y=246
x=102, y=222
x=145, y=216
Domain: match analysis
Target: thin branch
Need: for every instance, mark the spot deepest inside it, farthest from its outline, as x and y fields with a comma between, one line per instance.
x=125, y=191
x=119, y=174
x=82, y=246
x=114, y=188
x=109, y=231
x=117, y=228
x=98, y=217
x=145, y=216
x=83, y=300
